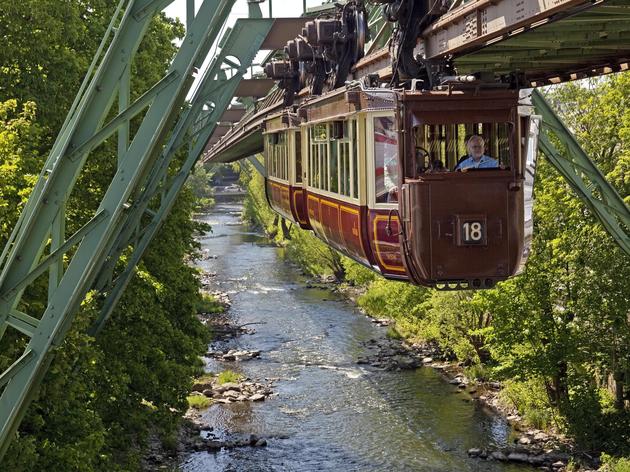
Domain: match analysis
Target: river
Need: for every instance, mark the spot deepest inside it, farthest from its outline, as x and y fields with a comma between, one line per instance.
x=329, y=414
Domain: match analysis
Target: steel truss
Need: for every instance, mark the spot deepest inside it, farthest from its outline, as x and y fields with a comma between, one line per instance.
x=128, y=217
x=582, y=174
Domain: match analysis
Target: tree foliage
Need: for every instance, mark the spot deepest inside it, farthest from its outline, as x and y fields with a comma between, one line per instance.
x=101, y=396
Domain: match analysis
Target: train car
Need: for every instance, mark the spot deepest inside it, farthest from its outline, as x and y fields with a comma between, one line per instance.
x=283, y=161
x=346, y=202
x=386, y=181
x=463, y=222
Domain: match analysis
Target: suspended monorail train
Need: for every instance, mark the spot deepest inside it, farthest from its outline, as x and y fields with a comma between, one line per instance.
x=371, y=171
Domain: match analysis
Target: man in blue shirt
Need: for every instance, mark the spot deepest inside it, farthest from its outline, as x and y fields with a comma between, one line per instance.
x=476, y=158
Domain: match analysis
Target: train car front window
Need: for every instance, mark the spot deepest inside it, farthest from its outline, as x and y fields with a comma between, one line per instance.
x=385, y=159
x=462, y=147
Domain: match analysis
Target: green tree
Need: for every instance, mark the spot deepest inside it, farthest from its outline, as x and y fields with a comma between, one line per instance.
x=100, y=397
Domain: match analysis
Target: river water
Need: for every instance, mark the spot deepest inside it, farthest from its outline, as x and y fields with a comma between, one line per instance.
x=329, y=414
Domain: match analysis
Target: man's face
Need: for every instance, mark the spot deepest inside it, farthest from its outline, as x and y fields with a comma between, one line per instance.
x=475, y=148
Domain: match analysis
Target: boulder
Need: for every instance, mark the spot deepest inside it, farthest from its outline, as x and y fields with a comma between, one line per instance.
x=474, y=452
x=231, y=386
x=498, y=456
x=257, y=397
x=201, y=386
x=518, y=457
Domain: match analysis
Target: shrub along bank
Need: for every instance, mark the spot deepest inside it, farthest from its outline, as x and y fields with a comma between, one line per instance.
x=558, y=335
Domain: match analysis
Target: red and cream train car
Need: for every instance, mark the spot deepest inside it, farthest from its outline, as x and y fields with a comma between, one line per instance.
x=370, y=171
x=283, y=162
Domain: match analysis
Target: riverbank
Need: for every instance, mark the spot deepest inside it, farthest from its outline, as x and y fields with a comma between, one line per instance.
x=545, y=449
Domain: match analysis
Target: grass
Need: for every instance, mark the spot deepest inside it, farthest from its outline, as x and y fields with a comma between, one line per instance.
x=199, y=402
x=612, y=464
x=228, y=376
x=478, y=372
x=530, y=399
x=209, y=305
x=205, y=378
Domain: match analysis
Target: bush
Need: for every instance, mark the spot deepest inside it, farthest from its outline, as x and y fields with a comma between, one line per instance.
x=611, y=464
x=357, y=274
x=530, y=399
x=392, y=333
x=478, y=372
x=209, y=305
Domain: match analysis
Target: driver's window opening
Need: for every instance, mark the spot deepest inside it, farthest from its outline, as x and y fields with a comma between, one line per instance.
x=460, y=146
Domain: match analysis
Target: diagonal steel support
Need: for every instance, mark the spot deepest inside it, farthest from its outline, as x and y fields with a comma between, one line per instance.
x=22, y=257
x=583, y=175
x=255, y=161
x=243, y=41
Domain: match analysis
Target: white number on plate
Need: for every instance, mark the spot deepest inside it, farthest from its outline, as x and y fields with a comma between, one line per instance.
x=472, y=231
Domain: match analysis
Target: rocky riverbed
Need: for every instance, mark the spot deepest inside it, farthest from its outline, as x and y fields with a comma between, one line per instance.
x=343, y=395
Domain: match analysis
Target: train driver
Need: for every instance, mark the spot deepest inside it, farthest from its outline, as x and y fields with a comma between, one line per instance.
x=476, y=159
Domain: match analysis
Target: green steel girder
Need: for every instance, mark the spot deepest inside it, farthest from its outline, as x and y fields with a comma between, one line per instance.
x=582, y=44
x=380, y=28
x=242, y=42
x=583, y=175
x=41, y=229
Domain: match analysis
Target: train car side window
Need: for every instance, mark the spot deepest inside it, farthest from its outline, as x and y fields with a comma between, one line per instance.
x=333, y=157
x=323, y=164
x=285, y=155
x=385, y=159
x=277, y=155
x=334, y=165
x=354, y=161
x=298, y=157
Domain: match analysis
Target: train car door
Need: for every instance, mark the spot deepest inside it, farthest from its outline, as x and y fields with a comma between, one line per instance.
x=383, y=182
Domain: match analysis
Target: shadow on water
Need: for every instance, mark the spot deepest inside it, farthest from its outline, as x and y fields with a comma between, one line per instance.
x=329, y=413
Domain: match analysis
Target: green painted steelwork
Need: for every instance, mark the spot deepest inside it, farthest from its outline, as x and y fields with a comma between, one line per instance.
x=39, y=243
x=589, y=43
x=582, y=174
x=242, y=42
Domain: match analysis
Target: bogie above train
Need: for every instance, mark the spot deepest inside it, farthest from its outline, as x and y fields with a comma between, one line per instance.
x=372, y=173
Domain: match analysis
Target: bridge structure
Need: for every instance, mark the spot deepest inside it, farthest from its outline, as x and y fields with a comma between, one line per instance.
x=191, y=111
